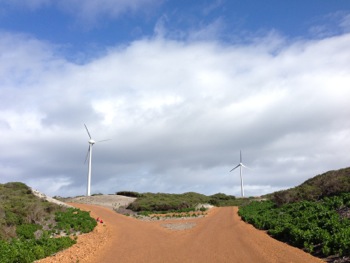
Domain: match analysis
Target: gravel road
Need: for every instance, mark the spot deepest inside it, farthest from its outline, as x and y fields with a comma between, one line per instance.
x=219, y=237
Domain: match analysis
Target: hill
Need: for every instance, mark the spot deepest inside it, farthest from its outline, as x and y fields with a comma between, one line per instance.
x=32, y=228
x=327, y=184
x=313, y=216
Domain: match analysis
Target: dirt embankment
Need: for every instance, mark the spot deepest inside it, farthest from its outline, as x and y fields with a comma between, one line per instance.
x=111, y=201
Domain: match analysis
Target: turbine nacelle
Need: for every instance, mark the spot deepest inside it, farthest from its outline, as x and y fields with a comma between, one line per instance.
x=92, y=142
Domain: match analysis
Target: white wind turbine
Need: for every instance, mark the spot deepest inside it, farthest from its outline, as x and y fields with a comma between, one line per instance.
x=89, y=153
x=240, y=165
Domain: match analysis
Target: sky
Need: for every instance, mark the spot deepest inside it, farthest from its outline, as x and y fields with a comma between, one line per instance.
x=179, y=87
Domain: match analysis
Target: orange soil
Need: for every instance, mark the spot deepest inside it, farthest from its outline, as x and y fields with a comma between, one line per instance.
x=221, y=236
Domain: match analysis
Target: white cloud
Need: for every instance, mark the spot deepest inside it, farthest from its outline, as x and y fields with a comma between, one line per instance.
x=88, y=11
x=177, y=113
x=214, y=5
x=345, y=23
x=31, y=4
x=213, y=30
x=331, y=24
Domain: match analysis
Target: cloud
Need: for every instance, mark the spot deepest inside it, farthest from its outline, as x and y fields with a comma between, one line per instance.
x=332, y=24
x=178, y=112
x=88, y=11
x=214, y=5
x=345, y=23
x=30, y=4
x=92, y=10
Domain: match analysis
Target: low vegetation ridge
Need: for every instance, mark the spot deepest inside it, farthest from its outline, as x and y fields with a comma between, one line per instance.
x=313, y=216
x=186, y=202
x=323, y=185
x=32, y=228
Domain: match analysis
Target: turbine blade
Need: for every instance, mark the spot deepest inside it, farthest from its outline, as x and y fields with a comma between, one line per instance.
x=104, y=140
x=87, y=155
x=235, y=167
x=87, y=131
x=240, y=156
x=246, y=167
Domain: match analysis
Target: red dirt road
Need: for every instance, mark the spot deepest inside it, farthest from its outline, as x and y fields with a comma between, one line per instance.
x=219, y=237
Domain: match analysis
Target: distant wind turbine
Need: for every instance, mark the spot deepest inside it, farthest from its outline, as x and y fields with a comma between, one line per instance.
x=240, y=165
x=89, y=154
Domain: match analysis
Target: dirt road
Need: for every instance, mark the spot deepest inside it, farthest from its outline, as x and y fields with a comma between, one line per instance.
x=219, y=237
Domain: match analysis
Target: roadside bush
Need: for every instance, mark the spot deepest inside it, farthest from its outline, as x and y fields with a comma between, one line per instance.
x=203, y=209
x=22, y=214
x=75, y=220
x=221, y=199
x=30, y=250
x=313, y=226
x=26, y=231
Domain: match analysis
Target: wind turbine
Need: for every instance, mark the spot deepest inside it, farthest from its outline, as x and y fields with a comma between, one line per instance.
x=89, y=153
x=240, y=165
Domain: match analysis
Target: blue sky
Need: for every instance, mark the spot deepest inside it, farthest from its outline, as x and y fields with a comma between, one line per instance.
x=179, y=87
x=232, y=21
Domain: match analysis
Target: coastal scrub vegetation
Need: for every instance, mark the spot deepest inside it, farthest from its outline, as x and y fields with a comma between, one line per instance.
x=313, y=216
x=327, y=184
x=161, y=202
x=32, y=228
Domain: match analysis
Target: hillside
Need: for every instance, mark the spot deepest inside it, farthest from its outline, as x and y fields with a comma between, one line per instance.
x=327, y=184
x=32, y=228
x=18, y=206
x=313, y=216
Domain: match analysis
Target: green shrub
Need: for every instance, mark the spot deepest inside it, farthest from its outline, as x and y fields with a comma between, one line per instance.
x=221, y=199
x=22, y=214
x=26, y=231
x=7, y=252
x=202, y=209
x=12, y=219
x=161, y=202
x=75, y=220
x=313, y=226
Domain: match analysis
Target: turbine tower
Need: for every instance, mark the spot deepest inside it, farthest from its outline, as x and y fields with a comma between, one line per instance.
x=240, y=165
x=89, y=153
